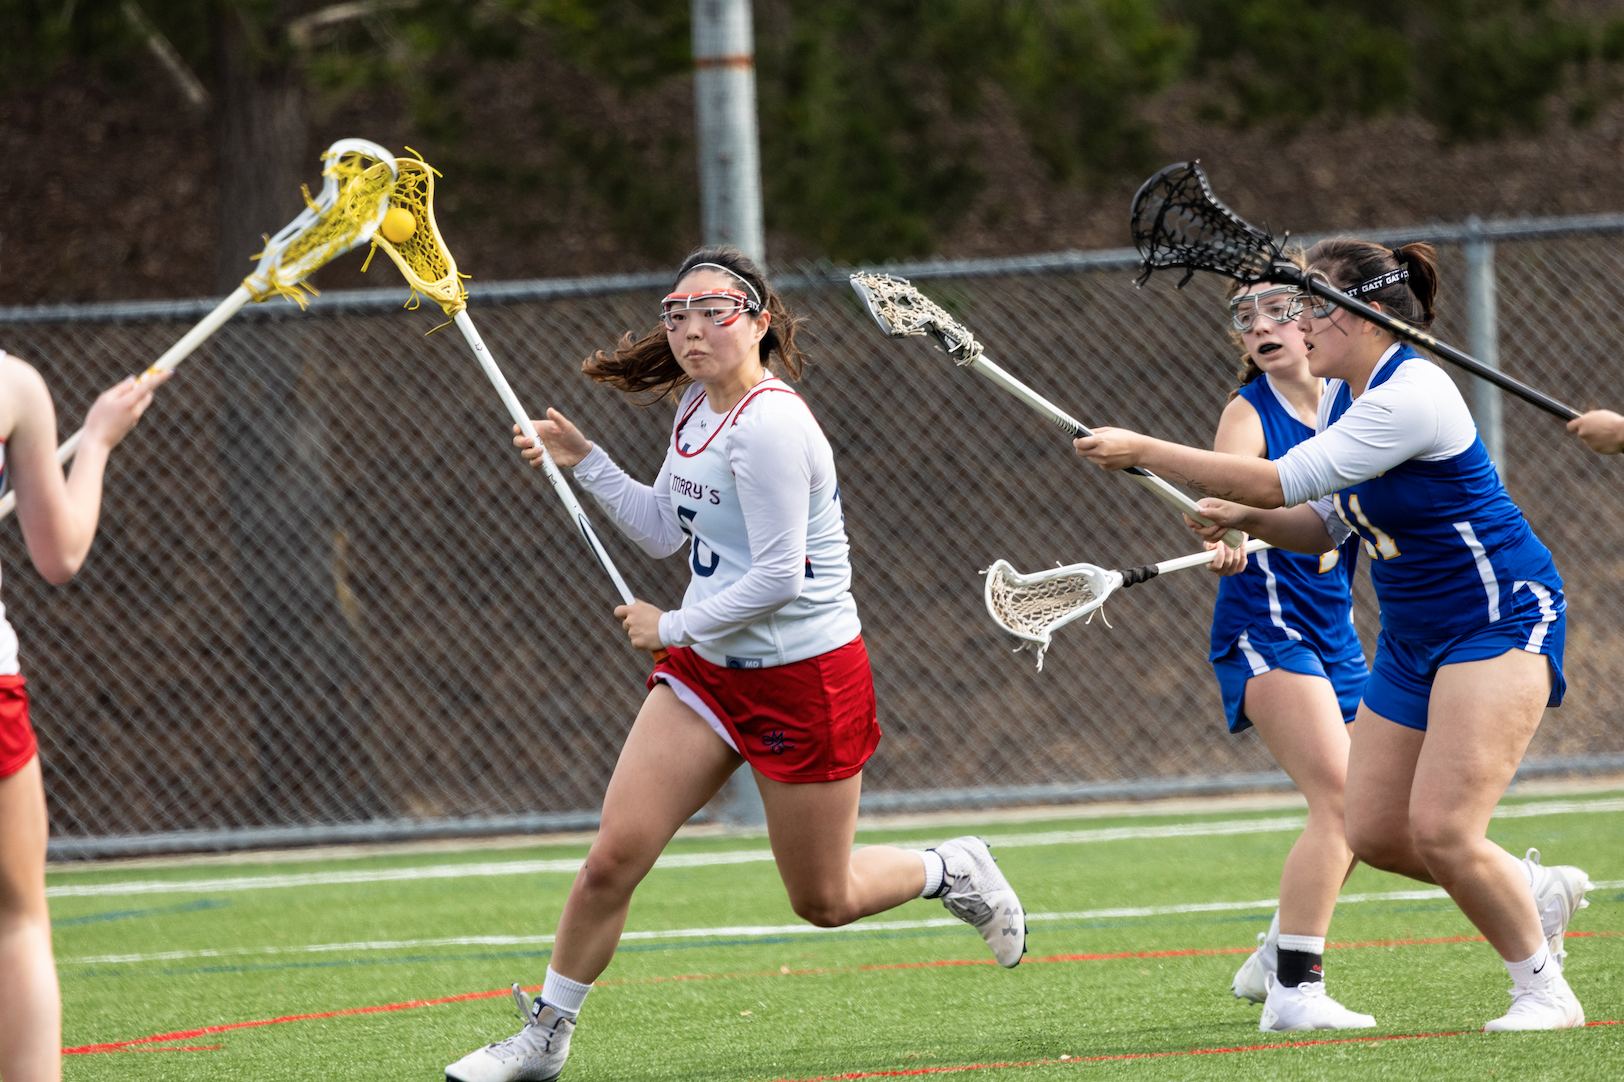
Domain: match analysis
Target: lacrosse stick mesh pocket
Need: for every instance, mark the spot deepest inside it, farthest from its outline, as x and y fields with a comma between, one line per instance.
x=423, y=258
x=1033, y=611
x=1178, y=222
x=1033, y=607
x=359, y=184
x=903, y=312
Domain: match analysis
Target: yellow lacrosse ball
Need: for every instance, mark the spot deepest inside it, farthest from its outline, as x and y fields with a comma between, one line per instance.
x=398, y=225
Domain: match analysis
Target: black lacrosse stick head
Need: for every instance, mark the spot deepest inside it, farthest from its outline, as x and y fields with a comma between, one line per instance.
x=1178, y=222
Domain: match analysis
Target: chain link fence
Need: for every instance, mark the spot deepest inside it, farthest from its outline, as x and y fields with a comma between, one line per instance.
x=328, y=602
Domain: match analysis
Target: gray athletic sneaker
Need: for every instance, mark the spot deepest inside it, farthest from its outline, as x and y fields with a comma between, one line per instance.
x=1559, y=893
x=976, y=892
x=536, y=1054
x=1252, y=979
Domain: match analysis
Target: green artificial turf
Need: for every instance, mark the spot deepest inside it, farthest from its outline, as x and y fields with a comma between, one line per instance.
x=796, y=1006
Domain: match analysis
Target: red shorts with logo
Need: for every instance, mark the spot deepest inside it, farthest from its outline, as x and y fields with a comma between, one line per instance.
x=17, y=743
x=807, y=721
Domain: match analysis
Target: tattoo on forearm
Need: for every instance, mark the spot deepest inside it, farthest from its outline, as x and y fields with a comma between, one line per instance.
x=1209, y=489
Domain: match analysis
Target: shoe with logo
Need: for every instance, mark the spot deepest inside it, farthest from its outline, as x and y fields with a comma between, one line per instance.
x=1251, y=980
x=1306, y=1006
x=1559, y=893
x=535, y=1054
x=1547, y=1004
x=976, y=892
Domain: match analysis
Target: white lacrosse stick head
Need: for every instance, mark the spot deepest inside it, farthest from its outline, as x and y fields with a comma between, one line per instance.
x=359, y=178
x=904, y=312
x=1033, y=607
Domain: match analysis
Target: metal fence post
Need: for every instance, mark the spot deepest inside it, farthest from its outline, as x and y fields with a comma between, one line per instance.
x=725, y=115
x=1484, y=339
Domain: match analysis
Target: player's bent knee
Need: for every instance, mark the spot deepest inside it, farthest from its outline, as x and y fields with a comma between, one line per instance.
x=1376, y=847
x=1441, y=844
x=823, y=911
x=612, y=872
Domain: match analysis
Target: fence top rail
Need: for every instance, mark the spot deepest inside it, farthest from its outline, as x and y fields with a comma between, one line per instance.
x=342, y=301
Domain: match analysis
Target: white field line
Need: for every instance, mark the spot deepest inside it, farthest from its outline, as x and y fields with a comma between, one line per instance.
x=569, y=866
x=743, y=931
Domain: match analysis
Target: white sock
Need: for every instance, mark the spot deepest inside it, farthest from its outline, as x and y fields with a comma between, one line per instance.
x=1536, y=970
x=1308, y=944
x=935, y=871
x=564, y=995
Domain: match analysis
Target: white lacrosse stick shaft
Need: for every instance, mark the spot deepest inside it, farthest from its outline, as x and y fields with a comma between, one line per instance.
x=572, y=506
x=172, y=357
x=1202, y=559
x=1074, y=428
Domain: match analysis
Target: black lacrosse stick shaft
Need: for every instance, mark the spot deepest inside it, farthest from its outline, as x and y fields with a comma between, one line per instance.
x=1422, y=338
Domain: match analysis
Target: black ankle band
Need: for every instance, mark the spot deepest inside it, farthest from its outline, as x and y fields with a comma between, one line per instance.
x=1299, y=967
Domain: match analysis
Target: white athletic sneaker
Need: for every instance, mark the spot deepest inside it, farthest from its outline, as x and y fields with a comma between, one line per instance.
x=1559, y=893
x=1306, y=1007
x=976, y=892
x=536, y=1054
x=1548, y=1005
x=1251, y=980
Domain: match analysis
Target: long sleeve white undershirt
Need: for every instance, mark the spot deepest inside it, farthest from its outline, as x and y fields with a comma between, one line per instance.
x=779, y=458
x=1418, y=413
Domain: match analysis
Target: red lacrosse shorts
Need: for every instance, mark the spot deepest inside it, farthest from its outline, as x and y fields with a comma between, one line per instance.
x=17, y=743
x=808, y=721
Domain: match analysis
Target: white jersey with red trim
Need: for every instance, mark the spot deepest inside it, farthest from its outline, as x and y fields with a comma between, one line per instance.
x=753, y=492
x=9, y=664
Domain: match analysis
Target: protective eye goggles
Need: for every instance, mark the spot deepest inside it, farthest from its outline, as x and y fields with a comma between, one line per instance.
x=1280, y=304
x=721, y=306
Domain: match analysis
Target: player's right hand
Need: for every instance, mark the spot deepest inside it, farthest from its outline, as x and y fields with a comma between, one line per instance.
x=1226, y=561
x=119, y=407
x=1602, y=431
x=564, y=441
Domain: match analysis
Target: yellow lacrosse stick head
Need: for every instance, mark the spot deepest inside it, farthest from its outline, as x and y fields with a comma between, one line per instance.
x=359, y=176
x=423, y=258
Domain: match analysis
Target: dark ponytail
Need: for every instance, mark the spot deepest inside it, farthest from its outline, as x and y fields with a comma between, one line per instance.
x=1349, y=263
x=646, y=366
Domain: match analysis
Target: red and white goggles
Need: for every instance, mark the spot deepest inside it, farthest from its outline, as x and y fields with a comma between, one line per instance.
x=721, y=306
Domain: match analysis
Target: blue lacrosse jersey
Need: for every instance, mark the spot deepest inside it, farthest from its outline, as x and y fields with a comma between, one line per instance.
x=1288, y=595
x=1449, y=549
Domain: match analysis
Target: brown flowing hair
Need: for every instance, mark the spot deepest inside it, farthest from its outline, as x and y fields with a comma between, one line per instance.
x=1248, y=370
x=647, y=368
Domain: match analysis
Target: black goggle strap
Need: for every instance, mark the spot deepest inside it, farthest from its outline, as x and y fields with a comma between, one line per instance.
x=1381, y=281
x=1321, y=306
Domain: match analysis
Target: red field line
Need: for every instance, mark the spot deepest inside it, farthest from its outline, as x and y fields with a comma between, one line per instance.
x=1192, y=952
x=204, y=1031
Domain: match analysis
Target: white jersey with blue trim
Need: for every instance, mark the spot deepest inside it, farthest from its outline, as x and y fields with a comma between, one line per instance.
x=753, y=492
x=1287, y=595
x=1402, y=467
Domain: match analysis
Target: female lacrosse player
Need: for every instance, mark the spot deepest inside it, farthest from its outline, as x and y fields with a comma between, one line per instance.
x=1470, y=652
x=1289, y=662
x=58, y=519
x=764, y=662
